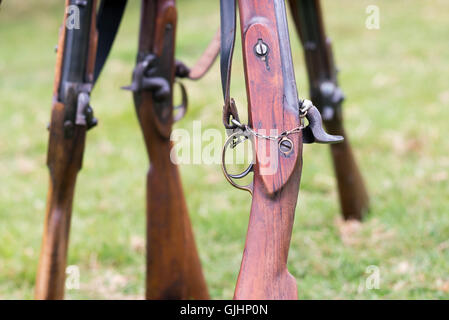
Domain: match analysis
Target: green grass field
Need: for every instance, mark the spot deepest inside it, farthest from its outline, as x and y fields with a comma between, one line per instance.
x=397, y=113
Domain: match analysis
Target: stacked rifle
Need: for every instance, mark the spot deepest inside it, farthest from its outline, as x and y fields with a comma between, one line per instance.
x=173, y=266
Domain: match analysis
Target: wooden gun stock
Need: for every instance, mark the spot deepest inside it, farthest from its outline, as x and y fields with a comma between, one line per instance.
x=327, y=96
x=64, y=162
x=65, y=154
x=353, y=196
x=173, y=265
x=263, y=273
x=272, y=104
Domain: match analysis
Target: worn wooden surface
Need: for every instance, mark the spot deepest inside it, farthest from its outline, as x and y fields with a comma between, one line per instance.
x=64, y=161
x=263, y=273
x=173, y=266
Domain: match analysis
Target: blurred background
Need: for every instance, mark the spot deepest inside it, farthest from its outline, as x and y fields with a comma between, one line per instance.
x=397, y=113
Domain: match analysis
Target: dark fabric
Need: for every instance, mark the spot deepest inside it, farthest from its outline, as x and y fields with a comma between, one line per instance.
x=108, y=21
x=228, y=27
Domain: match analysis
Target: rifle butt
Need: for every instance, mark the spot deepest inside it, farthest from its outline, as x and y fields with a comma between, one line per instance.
x=263, y=273
x=64, y=162
x=52, y=263
x=173, y=264
x=354, y=200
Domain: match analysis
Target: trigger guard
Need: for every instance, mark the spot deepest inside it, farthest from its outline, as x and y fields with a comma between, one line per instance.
x=244, y=173
x=231, y=177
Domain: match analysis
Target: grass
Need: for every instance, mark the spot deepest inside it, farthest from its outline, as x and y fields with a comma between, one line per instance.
x=397, y=113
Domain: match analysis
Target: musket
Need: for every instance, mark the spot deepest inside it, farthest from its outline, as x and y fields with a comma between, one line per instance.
x=273, y=103
x=328, y=97
x=173, y=265
x=71, y=116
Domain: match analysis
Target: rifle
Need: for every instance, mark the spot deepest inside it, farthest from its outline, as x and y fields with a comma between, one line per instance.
x=328, y=97
x=70, y=118
x=173, y=266
x=272, y=104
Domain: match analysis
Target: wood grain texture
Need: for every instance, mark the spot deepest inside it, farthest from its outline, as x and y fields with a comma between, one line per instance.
x=173, y=265
x=263, y=273
x=352, y=192
x=353, y=195
x=64, y=161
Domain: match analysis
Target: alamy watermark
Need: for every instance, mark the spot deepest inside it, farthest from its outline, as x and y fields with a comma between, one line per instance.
x=206, y=148
x=72, y=281
x=73, y=17
x=372, y=282
x=372, y=21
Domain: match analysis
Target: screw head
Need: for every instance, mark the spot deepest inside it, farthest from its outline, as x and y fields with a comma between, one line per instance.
x=68, y=124
x=68, y=128
x=285, y=145
x=81, y=3
x=261, y=48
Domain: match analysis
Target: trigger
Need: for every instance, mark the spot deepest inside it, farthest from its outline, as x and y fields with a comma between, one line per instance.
x=314, y=132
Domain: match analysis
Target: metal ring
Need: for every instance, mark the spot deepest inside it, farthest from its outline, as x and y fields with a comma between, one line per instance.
x=229, y=176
